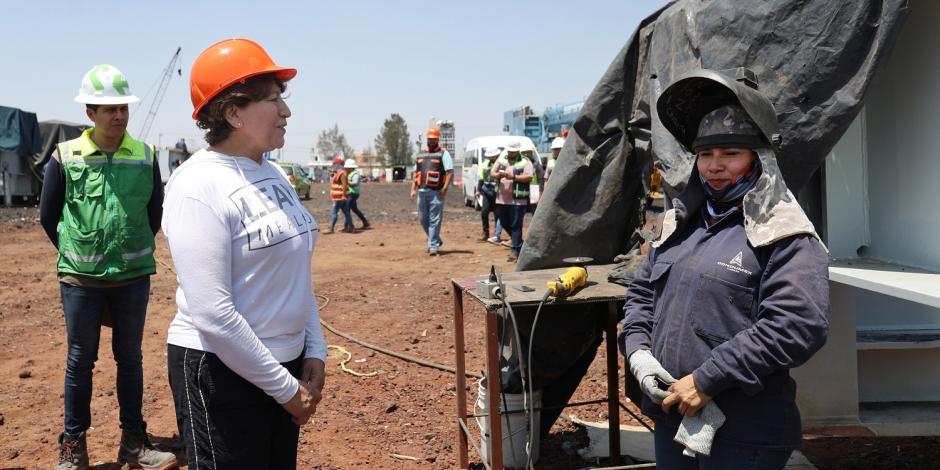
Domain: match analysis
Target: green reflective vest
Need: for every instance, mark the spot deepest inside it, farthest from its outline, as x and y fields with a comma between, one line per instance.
x=354, y=188
x=519, y=190
x=104, y=231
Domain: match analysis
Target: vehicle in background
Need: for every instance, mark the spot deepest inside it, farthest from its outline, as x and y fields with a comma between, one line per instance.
x=472, y=158
x=297, y=177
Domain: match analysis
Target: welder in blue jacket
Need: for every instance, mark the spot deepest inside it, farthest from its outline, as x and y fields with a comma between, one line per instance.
x=733, y=294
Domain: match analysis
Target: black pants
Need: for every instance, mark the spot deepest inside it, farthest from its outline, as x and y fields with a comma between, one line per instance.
x=486, y=207
x=225, y=422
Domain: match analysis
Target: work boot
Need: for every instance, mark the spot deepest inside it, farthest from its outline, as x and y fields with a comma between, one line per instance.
x=513, y=255
x=73, y=453
x=366, y=225
x=348, y=229
x=485, y=237
x=137, y=452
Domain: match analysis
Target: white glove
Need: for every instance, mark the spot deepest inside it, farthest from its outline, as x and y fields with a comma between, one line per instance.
x=650, y=373
x=697, y=432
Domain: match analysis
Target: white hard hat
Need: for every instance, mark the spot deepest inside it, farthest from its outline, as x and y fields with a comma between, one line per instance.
x=558, y=143
x=493, y=152
x=514, y=146
x=350, y=163
x=105, y=84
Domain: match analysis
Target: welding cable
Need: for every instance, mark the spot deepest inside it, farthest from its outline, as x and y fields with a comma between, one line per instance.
x=522, y=370
x=502, y=344
x=535, y=321
x=389, y=352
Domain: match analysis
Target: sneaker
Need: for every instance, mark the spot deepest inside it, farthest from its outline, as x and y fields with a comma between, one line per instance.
x=73, y=453
x=513, y=255
x=493, y=240
x=136, y=452
x=434, y=253
x=328, y=231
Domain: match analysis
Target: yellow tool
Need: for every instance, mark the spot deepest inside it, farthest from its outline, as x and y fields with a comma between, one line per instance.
x=568, y=282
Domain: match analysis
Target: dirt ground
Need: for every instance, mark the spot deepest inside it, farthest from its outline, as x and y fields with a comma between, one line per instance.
x=382, y=288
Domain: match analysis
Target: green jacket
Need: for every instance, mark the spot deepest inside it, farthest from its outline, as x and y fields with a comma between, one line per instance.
x=104, y=232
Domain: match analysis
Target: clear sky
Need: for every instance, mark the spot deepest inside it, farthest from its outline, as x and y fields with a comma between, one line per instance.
x=357, y=61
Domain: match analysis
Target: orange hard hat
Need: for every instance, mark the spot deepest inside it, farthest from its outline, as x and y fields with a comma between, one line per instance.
x=338, y=160
x=433, y=133
x=227, y=62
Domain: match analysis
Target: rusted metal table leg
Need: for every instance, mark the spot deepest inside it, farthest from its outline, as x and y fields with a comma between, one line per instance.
x=460, y=383
x=613, y=384
x=493, y=391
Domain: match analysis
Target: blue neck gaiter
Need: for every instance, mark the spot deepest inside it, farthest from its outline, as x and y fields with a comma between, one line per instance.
x=724, y=202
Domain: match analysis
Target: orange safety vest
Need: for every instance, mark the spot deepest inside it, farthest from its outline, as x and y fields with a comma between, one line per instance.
x=339, y=186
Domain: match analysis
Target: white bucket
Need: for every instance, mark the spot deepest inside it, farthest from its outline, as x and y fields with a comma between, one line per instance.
x=515, y=427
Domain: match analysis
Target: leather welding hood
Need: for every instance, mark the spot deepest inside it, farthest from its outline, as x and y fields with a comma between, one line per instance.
x=771, y=212
x=682, y=106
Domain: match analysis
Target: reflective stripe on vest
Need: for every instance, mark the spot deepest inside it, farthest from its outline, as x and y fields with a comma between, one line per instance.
x=337, y=186
x=519, y=190
x=429, y=170
x=104, y=231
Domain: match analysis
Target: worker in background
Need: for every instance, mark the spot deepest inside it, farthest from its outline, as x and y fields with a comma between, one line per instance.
x=537, y=180
x=434, y=169
x=732, y=295
x=513, y=175
x=102, y=199
x=557, y=144
x=181, y=146
x=354, y=177
x=486, y=191
x=245, y=352
x=339, y=194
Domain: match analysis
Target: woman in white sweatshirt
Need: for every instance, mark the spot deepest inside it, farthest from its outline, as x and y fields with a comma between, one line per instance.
x=246, y=353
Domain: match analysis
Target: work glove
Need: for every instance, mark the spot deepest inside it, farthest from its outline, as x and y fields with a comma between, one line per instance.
x=697, y=432
x=650, y=373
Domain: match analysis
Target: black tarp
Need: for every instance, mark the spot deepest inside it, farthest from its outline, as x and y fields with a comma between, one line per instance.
x=53, y=132
x=814, y=59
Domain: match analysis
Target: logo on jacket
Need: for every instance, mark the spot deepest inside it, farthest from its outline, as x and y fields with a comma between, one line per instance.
x=736, y=264
x=271, y=213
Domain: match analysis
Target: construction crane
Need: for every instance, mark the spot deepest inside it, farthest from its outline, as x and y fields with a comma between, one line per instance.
x=161, y=91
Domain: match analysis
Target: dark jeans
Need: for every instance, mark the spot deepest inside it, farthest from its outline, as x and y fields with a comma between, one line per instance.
x=224, y=421
x=342, y=205
x=486, y=207
x=83, y=307
x=354, y=208
x=511, y=217
x=724, y=456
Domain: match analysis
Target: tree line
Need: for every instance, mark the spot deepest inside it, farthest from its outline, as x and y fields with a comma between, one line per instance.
x=393, y=143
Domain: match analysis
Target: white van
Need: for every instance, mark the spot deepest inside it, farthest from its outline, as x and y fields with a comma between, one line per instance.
x=472, y=158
